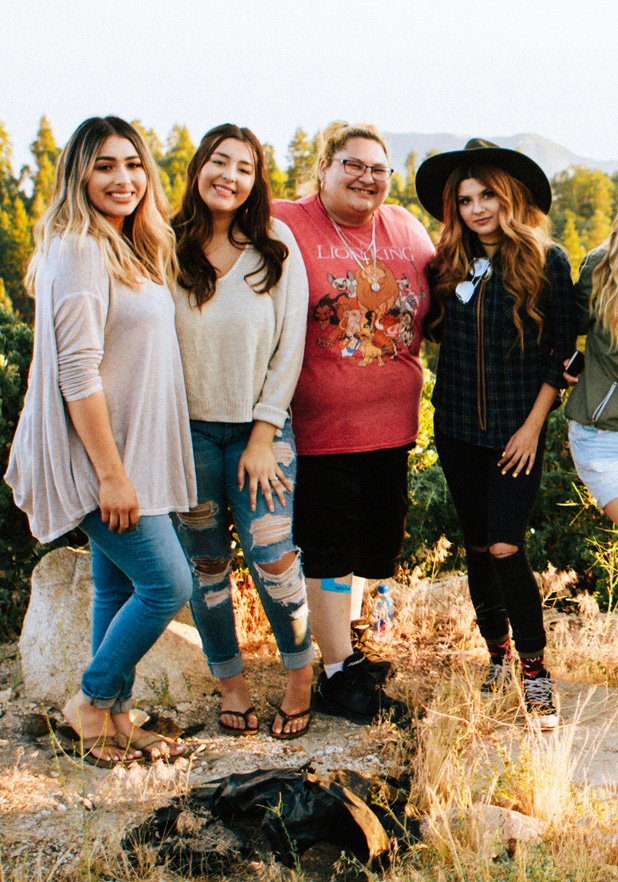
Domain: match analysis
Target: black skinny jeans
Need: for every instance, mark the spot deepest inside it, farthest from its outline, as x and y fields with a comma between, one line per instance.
x=493, y=508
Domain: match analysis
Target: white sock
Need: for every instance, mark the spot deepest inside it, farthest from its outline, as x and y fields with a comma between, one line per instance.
x=333, y=669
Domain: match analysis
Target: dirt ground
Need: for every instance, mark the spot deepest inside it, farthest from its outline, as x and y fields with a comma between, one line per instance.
x=52, y=808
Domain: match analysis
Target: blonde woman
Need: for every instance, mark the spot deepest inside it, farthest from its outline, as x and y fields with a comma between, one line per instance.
x=502, y=299
x=592, y=408
x=103, y=442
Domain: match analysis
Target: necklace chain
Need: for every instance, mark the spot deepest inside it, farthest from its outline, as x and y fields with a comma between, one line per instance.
x=375, y=286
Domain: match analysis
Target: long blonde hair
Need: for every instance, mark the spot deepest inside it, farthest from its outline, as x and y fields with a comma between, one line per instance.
x=522, y=253
x=331, y=140
x=144, y=248
x=604, y=299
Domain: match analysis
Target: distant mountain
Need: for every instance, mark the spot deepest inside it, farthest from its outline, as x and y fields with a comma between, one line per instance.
x=550, y=156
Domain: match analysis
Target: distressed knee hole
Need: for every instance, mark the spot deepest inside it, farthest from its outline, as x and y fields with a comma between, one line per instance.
x=286, y=587
x=283, y=452
x=502, y=549
x=271, y=528
x=203, y=516
x=209, y=571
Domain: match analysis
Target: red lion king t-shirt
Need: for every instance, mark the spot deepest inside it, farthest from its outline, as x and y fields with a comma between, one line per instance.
x=361, y=380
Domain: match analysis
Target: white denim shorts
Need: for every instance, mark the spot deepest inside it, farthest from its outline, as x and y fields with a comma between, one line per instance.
x=595, y=454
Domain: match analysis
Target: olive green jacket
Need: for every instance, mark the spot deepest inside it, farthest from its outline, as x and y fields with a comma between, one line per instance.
x=594, y=400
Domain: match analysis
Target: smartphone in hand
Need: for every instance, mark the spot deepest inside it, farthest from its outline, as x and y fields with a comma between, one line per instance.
x=576, y=364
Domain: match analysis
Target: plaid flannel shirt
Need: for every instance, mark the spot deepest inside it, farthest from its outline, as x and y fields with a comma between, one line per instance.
x=486, y=384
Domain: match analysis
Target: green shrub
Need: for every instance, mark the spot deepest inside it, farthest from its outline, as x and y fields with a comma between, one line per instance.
x=19, y=551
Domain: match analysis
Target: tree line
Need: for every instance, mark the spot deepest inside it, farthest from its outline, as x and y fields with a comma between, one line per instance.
x=585, y=200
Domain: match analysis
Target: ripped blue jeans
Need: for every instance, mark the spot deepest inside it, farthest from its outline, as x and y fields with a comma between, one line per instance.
x=206, y=538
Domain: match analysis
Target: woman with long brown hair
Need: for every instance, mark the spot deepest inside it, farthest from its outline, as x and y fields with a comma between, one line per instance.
x=240, y=316
x=502, y=307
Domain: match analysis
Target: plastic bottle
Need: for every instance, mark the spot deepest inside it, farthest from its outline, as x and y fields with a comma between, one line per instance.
x=383, y=614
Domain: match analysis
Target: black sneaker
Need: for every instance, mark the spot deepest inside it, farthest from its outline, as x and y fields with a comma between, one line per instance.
x=354, y=694
x=360, y=633
x=540, y=699
x=498, y=678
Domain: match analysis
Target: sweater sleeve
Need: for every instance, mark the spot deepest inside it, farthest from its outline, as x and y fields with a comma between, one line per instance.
x=291, y=301
x=561, y=319
x=80, y=298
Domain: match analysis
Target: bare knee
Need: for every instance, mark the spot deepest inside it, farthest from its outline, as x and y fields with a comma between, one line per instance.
x=278, y=567
x=202, y=517
x=502, y=549
x=210, y=571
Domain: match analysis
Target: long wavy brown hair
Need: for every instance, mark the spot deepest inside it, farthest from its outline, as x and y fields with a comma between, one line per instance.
x=604, y=299
x=522, y=253
x=193, y=222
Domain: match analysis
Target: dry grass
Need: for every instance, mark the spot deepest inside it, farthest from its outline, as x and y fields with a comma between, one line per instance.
x=475, y=766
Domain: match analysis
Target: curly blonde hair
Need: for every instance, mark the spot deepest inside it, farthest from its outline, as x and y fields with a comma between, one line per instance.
x=144, y=247
x=522, y=253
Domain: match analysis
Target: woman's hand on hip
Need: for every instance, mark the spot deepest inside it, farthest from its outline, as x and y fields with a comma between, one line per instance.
x=118, y=503
x=261, y=468
x=520, y=452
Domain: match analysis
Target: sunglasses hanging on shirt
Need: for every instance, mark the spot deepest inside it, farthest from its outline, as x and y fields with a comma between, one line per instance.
x=480, y=268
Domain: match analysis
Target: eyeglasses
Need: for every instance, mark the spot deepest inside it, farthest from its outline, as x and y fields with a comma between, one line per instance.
x=356, y=169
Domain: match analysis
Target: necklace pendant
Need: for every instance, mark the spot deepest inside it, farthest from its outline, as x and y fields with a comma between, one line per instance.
x=375, y=286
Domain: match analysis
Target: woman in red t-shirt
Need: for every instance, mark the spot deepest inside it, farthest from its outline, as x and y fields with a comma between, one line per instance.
x=356, y=407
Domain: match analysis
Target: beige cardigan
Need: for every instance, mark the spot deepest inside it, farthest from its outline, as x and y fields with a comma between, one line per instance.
x=93, y=333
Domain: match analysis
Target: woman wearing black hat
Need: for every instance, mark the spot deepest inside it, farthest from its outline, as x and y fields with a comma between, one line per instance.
x=502, y=305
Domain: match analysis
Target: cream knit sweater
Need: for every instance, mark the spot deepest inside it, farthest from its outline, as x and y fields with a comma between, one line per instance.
x=242, y=352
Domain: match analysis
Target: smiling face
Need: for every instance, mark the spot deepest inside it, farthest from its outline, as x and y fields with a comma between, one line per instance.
x=479, y=209
x=118, y=181
x=352, y=200
x=227, y=177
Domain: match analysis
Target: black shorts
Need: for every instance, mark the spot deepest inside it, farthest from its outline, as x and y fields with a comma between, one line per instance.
x=350, y=512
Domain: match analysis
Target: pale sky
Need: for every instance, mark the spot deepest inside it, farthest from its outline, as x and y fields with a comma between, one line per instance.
x=470, y=67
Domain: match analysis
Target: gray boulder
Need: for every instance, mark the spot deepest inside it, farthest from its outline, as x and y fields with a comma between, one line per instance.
x=55, y=640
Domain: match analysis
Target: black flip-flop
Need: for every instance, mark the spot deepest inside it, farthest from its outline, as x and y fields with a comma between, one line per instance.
x=289, y=736
x=232, y=730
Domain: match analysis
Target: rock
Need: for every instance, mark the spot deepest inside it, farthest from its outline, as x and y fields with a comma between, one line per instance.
x=35, y=725
x=6, y=695
x=55, y=640
x=491, y=824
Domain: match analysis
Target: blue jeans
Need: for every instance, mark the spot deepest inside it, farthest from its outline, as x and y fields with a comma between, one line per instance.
x=205, y=536
x=141, y=581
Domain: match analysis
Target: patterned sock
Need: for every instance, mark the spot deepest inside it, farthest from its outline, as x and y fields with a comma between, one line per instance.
x=531, y=665
x=500, y=652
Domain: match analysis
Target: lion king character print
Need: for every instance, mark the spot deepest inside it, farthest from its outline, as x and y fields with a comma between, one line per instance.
x=368, y=315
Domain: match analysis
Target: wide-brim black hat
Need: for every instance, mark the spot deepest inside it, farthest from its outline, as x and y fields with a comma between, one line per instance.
x=434, y=172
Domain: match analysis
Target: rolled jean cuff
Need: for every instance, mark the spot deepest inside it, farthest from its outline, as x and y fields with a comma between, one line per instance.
x=293, y=661
x=121, y=706
x=104, y=703
x=230, y=668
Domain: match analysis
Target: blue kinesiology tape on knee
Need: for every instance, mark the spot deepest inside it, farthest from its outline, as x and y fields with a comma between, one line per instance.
x=338, y=587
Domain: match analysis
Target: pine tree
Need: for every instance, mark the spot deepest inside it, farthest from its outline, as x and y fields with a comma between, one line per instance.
x=45, y=153
x=15, y=250
x=276, y=177
x=301, y=152
x=571, y=240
